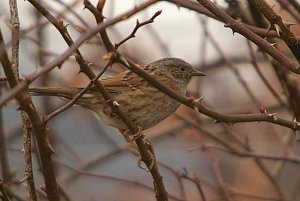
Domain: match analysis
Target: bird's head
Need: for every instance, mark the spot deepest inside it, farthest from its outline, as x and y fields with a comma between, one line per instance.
x=177, y=70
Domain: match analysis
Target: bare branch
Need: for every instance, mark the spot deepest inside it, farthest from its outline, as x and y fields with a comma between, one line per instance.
x=80, y=94
x=280, y=26
x=37, y=125
x=264, y=45
x=137, y=26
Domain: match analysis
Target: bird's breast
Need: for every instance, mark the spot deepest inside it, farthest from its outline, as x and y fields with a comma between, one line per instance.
x=145, y=105
x=148, y=106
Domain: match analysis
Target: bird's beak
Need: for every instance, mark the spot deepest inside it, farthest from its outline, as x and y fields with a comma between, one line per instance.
x=197, y=73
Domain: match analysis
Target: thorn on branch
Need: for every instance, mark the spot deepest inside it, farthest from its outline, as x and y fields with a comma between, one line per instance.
x=272, y=115
x=215, y=121
x=23, y=179
x=60, y=24
x=295, y=124
x=288, y=24
x=269, y=115
x=278, y=29
x=115, y=103
x=199, y=100
x=65, y=26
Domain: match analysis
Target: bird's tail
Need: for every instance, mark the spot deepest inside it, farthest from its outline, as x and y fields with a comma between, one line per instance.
x=88, y=100
x=66, y=92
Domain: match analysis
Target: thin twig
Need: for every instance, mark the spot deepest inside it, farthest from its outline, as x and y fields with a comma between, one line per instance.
x=28, y=173
x=290, y=9
x=197, y=182
x=219, y=180
x=137, y=26
x=102, y=176
x=241, y=153
x=282, y=28
x=200, y=107
x=160, y=191
x=290, y=64
x=231, y=147
x=79, y=95
x=261, y=75
x=232, y=67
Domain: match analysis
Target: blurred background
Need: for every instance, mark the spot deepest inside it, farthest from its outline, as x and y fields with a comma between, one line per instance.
x=93, y=161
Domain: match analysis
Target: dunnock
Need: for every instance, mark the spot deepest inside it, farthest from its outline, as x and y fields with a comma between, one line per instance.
x=143, y=103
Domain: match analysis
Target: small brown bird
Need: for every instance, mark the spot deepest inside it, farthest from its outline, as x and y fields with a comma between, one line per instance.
x=143, y=103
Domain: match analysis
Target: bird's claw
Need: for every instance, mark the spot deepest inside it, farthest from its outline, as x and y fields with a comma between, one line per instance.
x=138, y=134
x=139, y=162
x=152, y=158
x=129, y=137
x=151, y=154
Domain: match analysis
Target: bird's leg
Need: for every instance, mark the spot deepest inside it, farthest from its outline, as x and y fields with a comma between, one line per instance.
x=130, y=137
x=139, y=133
x=126, y=134
x=151, y=155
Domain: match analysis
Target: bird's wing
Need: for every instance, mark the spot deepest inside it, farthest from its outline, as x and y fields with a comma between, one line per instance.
x=115, y=84
x=125, y=81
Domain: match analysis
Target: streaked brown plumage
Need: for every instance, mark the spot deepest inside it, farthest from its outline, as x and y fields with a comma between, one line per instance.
x=143, y=103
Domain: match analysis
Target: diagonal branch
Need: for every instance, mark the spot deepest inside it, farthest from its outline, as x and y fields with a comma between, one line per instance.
x=282, y=29
x=290, y=64
x=78, y=96
x=160, y=191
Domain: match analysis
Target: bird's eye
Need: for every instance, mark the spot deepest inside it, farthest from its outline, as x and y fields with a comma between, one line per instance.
x=182, y=68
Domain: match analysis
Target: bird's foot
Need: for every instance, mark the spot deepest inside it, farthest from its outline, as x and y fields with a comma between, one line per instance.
x=129, y=137
x=126, y=134
x=151, y=153
x=138, y=134
x=151, y=156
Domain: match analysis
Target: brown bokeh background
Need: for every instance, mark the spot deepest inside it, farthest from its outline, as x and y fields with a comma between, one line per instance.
x=93, y=161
